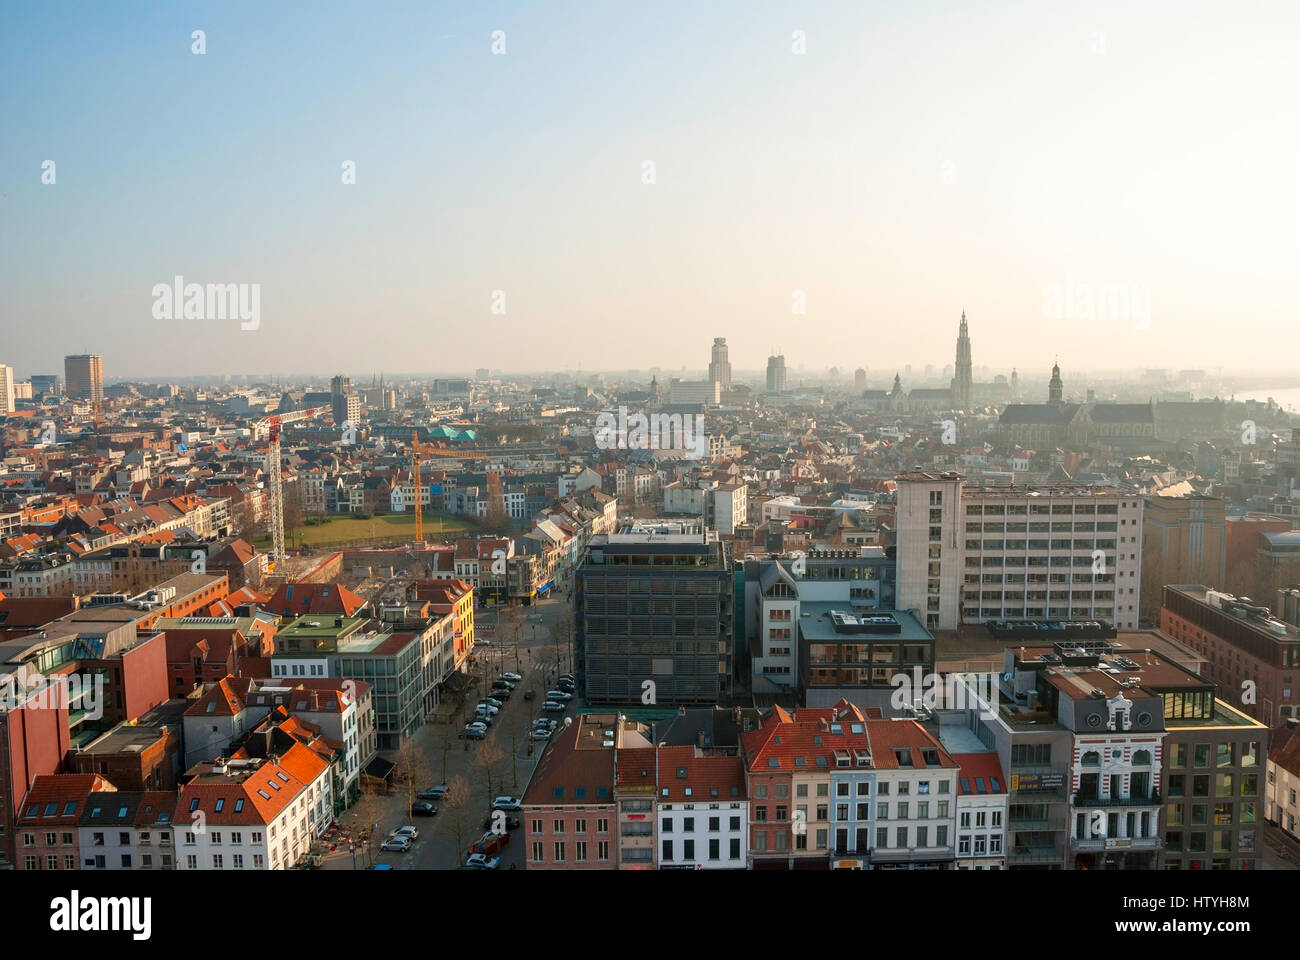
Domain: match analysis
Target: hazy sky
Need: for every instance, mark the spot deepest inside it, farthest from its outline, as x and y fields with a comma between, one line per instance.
x=919, y=159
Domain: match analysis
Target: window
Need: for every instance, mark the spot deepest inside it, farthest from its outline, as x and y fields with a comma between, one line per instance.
x=734, y=852
x=715, y=851
x=602, y=826
x=537, y=826
x=559, y=851
x=667, y=851
x=537, y=851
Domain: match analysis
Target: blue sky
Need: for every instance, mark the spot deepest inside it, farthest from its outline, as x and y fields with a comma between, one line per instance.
x=919, y=159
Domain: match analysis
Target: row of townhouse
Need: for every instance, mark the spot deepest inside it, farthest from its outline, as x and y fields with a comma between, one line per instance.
x=250, y=813
x=260, y=807
x=1118, y=758
x=829, y=788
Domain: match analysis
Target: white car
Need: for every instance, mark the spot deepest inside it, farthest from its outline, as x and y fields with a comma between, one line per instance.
x=479, y=861
x=512, y=677
x=507, y=803
x=476, y=730
x=559, y=695
x=541, y=733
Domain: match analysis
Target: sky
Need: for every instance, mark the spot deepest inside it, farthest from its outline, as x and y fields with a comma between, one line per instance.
x=1113, y=183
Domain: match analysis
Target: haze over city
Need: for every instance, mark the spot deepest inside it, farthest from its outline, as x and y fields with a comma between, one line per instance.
x=621, y=183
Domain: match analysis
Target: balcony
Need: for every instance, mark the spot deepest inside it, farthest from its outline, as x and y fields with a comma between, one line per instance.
x=1086, y=844
x=1091, y=800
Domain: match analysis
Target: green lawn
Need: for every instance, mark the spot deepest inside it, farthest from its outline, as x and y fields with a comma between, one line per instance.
x=382, y=528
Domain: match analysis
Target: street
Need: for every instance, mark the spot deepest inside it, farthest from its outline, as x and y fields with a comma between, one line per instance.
x=540, y=659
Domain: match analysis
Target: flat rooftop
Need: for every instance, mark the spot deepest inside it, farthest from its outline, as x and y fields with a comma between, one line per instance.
x=818, y=625
x=125, y=739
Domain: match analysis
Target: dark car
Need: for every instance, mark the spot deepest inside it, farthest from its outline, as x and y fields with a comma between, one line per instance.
x=530, y=694
x=512, y=823
x=423, y=808
x=433, y=793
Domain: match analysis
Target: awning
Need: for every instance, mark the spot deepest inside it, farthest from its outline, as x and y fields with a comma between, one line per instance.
x=379, y=768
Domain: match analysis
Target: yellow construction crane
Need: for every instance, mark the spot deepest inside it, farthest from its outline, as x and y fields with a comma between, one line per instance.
x=418, y=451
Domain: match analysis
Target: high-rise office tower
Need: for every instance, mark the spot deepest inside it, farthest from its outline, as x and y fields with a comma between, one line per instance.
x=776, y=374
x=45, y=385
x=346, y=404
x=962, y=379
x=860, y=378
x=83, y=374
x=720, y=366
x=6, y=389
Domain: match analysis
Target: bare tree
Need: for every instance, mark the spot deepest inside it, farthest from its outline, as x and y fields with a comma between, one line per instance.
x=456, y=802
x=489, y=755
x=412, y=764
x=243, y=519
x=364, y=816
x=445, y=745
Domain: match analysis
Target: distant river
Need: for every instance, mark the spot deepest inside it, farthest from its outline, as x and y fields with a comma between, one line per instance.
x=1288, y=398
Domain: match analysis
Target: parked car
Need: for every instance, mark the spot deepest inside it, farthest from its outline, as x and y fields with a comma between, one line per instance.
x=512, y=677
x=489, y=843
x=568, y=676
x=433, y=793
x=554, y=706
x=512, y=823
x=478, y=861
x=507, y=803
x=492, y=702
x=396, y=845
x=408, y=831
x=475, y=731
x=423, y=808
x=503, y=682
x=484, y=714
x=541, y=733
x=558, y=695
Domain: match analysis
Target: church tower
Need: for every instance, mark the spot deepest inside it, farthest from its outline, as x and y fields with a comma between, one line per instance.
x=962, y=380
x=1055, y=387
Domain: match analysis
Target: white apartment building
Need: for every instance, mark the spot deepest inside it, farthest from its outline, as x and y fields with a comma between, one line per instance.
x=251, y=814
x=1050, y=552
x=703, y=811
x=981, y=812
x=124, y=830
x=1280, y=792
x=929, y=547
x=916, y=793
x=7, y=392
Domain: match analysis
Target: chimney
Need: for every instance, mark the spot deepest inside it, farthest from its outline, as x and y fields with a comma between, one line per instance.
x=699, y=740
